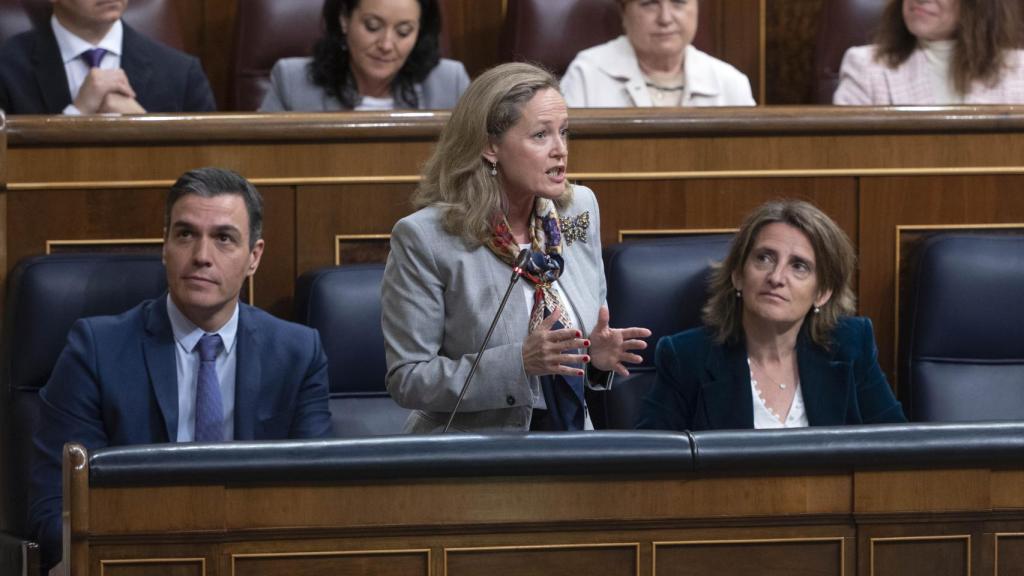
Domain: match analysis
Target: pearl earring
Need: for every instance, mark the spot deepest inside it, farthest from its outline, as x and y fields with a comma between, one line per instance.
x=494, y=168
x=817, y=309
x=739, y=294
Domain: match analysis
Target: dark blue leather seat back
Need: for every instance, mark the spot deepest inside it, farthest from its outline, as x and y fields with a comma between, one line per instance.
x=45, y=296
x=661, y=285
x=962, y=330
x=343, y=304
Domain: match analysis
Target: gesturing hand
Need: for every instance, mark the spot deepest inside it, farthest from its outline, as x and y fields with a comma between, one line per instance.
x=611, y=347
x=544, y=349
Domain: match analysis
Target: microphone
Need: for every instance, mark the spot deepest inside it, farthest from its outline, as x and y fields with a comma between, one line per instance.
x=517, y=271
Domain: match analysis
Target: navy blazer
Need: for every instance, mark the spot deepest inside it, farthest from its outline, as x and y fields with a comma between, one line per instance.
x=701, y=385
x=116, y=383
x=33, y=81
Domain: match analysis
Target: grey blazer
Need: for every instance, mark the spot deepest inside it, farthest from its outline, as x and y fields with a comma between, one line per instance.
x=438, y=299
x=291, y=89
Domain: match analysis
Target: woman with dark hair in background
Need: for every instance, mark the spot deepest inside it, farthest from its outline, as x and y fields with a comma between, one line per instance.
x=778, y=348
x=938, y=52
x=375, y=55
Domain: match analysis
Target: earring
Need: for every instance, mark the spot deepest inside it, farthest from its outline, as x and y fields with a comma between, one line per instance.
x=739, y=294
x=494, y=168
x=817, y=309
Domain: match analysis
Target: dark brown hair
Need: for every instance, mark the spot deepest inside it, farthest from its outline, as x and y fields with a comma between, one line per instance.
x=987, y=30
x=834, y=266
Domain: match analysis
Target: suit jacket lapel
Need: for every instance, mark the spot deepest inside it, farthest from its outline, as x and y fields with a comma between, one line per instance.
x=158, y=348
x=136, y=61
x=824, y=383
x=725, y=388
x=48, y=67
x=248, y=376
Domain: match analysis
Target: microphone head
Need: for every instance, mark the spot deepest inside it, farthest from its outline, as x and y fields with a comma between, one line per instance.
x=523, y=256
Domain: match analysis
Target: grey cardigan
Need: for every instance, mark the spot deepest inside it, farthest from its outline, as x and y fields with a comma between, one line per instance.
x=438, y=299
x=291, y=88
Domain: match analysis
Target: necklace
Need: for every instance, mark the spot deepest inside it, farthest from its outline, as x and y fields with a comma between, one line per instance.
x=781, y=385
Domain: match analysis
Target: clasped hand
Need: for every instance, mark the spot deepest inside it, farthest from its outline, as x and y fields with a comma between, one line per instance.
x=545, y=350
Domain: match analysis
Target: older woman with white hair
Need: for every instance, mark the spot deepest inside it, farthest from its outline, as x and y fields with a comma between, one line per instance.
x=654, y=64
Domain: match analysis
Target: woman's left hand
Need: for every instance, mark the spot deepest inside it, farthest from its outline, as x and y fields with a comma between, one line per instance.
x=611, y=348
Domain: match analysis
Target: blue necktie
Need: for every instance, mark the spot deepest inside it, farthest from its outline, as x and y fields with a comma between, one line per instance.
x=209, y=405
x=93, y=57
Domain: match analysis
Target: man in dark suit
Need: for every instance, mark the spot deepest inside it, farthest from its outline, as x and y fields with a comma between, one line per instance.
x=194, y=365
x=86, y=61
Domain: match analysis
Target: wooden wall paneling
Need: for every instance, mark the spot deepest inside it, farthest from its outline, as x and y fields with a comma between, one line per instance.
x=886, y=202
x=342, y=562
x=765, y=557
x=740, y=39
x=714, y=203
x=791, y=33
x=596, y=560
x=324, y=212
x=218, y=44
x=1009, y=554
x=474, y=27
x=274, y=281
x=82, y=215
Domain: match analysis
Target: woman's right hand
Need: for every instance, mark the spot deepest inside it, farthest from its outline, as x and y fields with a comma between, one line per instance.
x=544, y=349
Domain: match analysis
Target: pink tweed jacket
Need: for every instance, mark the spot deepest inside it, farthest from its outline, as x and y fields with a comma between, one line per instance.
x=866, y=82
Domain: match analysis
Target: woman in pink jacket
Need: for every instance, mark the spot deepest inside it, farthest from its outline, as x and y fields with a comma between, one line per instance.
x=936, y=52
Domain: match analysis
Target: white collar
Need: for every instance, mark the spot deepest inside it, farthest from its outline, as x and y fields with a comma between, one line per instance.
x=72, y=46
x=187, y=334
x=622, y=63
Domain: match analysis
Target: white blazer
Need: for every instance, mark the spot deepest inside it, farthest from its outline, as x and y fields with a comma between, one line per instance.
x=608, y=76
x=863, y=81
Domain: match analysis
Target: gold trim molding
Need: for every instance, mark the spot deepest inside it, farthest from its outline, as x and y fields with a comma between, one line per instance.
x=641, y=232
x=871, y=561
x=583, y=546
x=583, y=176
x=995, y=556
x=125, y=561
x=339, y=238
x=326, y=553
x=813, y=539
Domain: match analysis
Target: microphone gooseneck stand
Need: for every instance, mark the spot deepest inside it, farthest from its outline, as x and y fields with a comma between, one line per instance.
x=517, y=271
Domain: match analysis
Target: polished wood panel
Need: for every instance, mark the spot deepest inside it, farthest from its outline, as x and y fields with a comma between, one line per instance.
x=1009, y=552
x=597, y=560
x=331, y=176
x=779, y=557
x=640, y=522
x=790, y=37
x=153, y=567
x=928, y=556
x=341, y=563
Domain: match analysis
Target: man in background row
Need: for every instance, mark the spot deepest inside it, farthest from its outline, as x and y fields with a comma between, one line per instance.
x=85, y=60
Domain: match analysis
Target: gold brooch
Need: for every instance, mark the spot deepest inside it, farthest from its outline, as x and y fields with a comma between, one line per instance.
x=574, y=227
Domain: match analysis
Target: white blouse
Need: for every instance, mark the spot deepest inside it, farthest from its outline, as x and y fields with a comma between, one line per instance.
x=765, y=418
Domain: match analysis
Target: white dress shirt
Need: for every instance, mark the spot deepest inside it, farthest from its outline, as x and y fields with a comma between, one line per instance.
x=186, y=338
x=71, y=48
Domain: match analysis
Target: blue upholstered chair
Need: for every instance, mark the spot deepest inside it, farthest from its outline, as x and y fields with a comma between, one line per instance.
x=661, y=285
x=343, y=304
x=45, y=295
x=962, y=330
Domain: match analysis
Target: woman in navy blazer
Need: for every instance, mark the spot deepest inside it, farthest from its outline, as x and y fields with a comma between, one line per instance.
x=778, y=348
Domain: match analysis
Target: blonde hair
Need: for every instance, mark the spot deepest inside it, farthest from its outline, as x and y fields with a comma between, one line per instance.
x=456, y=178
x=835, y=262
